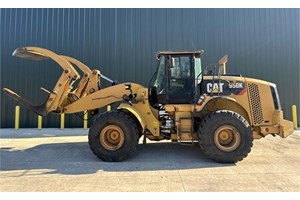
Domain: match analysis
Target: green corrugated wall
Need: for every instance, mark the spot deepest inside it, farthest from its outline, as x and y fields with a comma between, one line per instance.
x=261, y=43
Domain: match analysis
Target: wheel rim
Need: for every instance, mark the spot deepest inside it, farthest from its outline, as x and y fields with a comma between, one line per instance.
x=227, y=138
x=112, y=137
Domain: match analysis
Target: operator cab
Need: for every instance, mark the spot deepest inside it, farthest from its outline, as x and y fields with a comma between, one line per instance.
x=177, y=76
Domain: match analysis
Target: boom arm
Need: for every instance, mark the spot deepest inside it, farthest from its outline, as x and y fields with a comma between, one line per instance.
x=102, y=98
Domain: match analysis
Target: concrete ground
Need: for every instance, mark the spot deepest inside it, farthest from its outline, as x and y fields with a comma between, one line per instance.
x=55, y=160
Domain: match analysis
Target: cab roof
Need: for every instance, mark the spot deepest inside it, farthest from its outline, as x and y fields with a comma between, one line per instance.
x=197, y=52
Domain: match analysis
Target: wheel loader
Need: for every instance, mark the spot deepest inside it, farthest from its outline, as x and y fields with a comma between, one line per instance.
x=183, y=103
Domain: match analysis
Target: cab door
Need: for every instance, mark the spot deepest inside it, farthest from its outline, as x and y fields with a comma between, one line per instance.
x=180, y=80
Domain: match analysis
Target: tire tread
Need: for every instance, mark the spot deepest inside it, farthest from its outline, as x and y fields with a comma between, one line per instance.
x=214, y=153
x=93, y=132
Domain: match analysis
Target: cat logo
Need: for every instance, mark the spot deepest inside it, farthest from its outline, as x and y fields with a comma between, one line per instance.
x=224, y=87
x=214, y=87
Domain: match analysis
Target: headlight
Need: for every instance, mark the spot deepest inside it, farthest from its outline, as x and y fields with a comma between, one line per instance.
x=275, y=96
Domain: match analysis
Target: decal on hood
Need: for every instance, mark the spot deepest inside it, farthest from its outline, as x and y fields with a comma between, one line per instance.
x=224, y=87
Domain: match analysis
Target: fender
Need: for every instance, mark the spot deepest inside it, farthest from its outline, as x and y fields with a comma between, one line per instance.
x=213, y=99
x=134, y=112
x=226, y=103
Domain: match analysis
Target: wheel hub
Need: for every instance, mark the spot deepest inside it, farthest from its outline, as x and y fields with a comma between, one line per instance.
x=112, y=137
x=224, y=135
x=227, y=138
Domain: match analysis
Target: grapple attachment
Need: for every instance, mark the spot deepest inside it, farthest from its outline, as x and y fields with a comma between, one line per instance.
x=61, y=95
x=40, y=109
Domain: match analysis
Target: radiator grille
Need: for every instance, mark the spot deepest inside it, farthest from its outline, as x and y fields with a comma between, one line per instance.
x=257, y=113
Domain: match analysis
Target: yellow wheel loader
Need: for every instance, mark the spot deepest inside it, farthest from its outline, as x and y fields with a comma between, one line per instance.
x=222, y=112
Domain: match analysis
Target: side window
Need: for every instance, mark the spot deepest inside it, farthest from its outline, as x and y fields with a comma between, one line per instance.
x=181, y=82
x=182, y=68
x=175, y=69
x=160, y=77
x=198, y=77
x=197, y=70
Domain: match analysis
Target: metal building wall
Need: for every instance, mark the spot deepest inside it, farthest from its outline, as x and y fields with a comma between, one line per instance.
x=261, y=43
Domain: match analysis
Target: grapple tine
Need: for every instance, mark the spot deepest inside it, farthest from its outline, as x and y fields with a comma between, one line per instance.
x=38, y=109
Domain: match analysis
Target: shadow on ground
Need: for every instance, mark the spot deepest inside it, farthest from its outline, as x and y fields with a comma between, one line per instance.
x=43, y=133
x=76, y=158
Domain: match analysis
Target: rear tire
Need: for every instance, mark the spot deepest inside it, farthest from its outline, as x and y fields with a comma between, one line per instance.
x=225, y=137
x=113, y=136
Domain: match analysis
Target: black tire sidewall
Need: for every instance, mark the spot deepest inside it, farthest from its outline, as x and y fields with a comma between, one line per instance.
x=129, y=129
x=207, y=130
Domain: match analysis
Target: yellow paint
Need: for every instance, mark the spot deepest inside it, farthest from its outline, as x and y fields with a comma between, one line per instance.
x=101, y=98
x=144, y=115
x=17, y=117
x=294, y=112
x=85, y=120
x=62, y=121
x=155, y=124
x=108, y=108
x=40, y=121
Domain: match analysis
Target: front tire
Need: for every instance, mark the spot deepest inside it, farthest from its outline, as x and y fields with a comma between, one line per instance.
x=225, y=137
x=113, y=136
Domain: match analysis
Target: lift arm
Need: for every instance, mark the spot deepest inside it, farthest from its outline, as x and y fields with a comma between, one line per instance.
x=103, y=97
